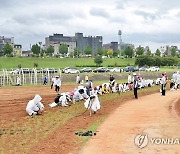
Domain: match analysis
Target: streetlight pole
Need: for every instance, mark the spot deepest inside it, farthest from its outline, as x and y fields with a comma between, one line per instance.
x=120, y=33
x=40, y=43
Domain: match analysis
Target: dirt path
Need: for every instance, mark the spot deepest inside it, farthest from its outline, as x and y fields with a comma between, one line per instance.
x=153, y=115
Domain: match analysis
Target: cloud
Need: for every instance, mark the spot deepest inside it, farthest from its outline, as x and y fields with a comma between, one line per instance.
x=99, y=12
x=31, y=21
x=146, y=15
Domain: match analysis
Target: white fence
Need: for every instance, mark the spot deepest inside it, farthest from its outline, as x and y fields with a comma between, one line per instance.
x=33, y=77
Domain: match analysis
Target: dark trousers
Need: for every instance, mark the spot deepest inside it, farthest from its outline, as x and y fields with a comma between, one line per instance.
x=52, y=85
x=57, y=88
x=135, y=93
x=163, y=90
x=45, y=82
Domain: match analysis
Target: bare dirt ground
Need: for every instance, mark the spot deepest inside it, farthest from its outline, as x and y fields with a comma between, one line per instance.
x=13, y=100
x=153, y=115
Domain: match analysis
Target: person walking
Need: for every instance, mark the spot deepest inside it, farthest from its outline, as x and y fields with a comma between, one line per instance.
x=163, y=85
x=135, y=85
x=52, y=81
x=57, y=84
x=45, y=80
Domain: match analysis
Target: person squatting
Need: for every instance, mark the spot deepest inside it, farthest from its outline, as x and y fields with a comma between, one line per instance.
x=88, y=93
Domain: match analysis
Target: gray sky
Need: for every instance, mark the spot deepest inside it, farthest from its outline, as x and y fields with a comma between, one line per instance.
x=143, y=22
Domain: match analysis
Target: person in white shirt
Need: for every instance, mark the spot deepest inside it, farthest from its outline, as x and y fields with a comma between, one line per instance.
x=163, y=85
x=18, y=81
x=57, y=84
x=78, y=81
x=52, y=81
x=178, y=79
x=129, y=78
x=34, y=106
x=79, y=94
x=92, y=103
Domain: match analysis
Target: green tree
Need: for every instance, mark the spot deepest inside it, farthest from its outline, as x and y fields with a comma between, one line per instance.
x=98, y=60
x=166, y=53
x=71, y=55
x=115, y=53
x=173, y=52
x=77, y=52
x=36, y=49
x=50, y=50
x=106, y=52
x=139, y=51
x=7, y=50
x=110, y=53
x=88, y=50
x=63, y=49
x=148, y=53
x=100, y=51
x=157, y=61
x=129, y=52
x=158, y=52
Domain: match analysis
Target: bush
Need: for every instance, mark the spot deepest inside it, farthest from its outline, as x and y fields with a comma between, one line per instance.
x=155, y=61
x=36, y=65
x=98, y=60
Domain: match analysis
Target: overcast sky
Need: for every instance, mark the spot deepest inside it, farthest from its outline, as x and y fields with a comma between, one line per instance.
x=143, y=22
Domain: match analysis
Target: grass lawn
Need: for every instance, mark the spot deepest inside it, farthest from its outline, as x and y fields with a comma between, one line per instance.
x=60, y=62
x=169, y=69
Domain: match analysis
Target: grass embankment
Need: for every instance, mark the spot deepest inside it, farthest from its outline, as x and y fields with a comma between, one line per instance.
x=27, y=132
x=60, y=62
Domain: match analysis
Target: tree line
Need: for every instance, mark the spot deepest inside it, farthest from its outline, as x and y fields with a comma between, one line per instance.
x=128, y=52
x=156, y=61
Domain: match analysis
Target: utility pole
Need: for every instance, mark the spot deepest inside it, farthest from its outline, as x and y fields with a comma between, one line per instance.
x=40, y=43
x=120, y=33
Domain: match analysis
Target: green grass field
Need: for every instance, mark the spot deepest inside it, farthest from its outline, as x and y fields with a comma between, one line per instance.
x=60, y=62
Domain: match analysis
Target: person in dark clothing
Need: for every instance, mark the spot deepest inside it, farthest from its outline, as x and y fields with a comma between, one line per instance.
x=135, y=85
x=111, y=81
x=45, y=80
x=163, y=85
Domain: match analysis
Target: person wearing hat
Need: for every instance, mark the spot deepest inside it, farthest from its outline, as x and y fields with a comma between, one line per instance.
x=135, y=85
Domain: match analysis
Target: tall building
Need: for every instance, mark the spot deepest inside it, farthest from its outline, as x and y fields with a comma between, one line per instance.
x=57, y=40
x=77, y=41
x=4, y=40
x=94, y=42
x=17, y=51
x=112, y=46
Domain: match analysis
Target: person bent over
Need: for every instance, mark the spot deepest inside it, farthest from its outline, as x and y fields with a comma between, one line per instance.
x=34, y=106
